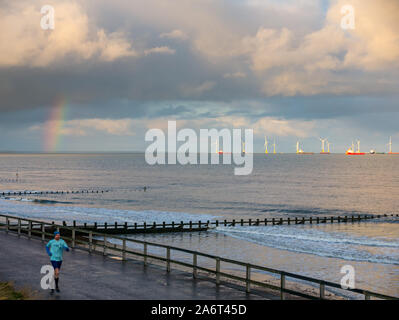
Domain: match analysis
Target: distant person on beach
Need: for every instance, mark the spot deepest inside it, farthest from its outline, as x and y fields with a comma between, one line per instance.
x=55, y=249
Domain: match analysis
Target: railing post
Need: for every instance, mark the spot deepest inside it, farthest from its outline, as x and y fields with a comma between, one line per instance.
x=124, y=249
x=322, y=290
x=7, y=224
x=43, y=232
x=90, y=241
x=30, y=229
x=248, y=279
x=217, y=270
x=282, y=286
x=105, y=246
x=195, y=265
x=167, y=259
x=145, y=254
x=73, y=238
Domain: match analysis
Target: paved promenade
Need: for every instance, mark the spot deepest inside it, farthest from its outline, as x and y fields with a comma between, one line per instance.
x=92, y=276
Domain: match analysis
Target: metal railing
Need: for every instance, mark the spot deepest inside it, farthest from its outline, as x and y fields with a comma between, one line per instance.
x=30, y=227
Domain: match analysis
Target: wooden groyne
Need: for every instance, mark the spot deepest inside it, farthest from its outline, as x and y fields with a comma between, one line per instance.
x=198, y=226
x=104, y=244
x=192, y=226
x=22, y=193
x=63, y=192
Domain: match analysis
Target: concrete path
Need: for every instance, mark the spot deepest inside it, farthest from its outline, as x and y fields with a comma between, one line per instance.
x=92, y=276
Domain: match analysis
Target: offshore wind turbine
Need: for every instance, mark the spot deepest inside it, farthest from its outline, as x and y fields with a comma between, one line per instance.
x=323, y=141
x=266, y=144
x=299, y=150
x=390, y=147
x=217, y=145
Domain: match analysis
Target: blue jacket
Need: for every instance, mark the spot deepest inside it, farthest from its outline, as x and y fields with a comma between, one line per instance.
x=56, y=248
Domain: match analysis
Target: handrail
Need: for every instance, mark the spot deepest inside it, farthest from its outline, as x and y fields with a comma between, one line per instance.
x=283, y=274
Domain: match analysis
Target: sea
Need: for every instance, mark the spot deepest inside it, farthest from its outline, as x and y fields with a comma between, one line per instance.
x=281, y=185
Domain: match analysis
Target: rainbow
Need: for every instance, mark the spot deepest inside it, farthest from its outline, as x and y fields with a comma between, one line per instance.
x=53, y=126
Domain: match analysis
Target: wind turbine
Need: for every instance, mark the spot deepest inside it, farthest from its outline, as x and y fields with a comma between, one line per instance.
x=390, y=145
x=217, y=145
x=328, y=146
x=266, y=143
x=322, y=144
x=298, y=150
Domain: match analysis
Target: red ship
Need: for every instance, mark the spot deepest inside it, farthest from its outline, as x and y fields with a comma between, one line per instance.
x=352, y=152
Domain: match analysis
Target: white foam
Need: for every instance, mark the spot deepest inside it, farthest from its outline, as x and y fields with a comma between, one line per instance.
x=315, y=241
x=91, y=215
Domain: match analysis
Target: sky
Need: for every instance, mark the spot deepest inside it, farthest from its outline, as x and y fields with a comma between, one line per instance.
x=110, y=71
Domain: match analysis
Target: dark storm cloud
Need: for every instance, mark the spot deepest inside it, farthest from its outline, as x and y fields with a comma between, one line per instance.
x=222, y=66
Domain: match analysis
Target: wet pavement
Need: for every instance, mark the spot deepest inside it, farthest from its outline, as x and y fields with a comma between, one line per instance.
x=93, y=276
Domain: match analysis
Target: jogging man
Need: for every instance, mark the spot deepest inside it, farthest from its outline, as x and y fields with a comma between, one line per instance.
x=55, y=249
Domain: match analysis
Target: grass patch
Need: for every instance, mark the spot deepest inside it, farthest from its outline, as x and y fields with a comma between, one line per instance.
x=7, y=292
